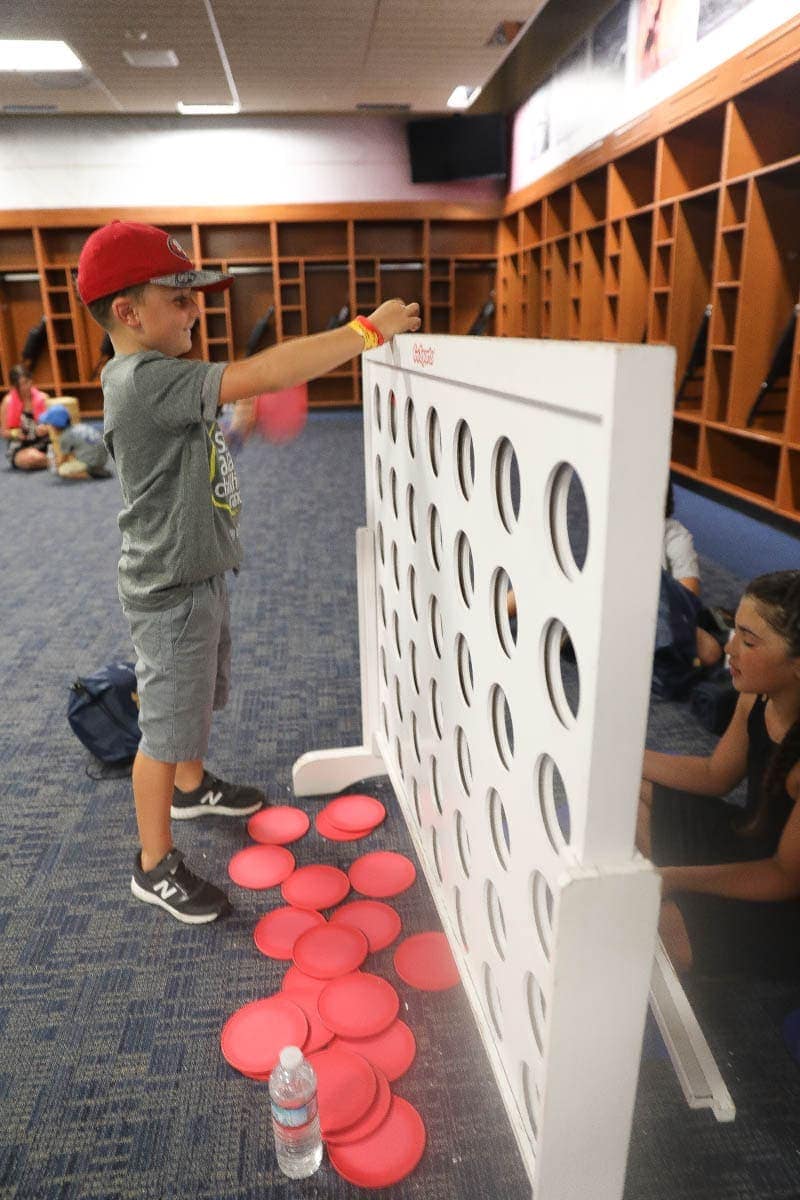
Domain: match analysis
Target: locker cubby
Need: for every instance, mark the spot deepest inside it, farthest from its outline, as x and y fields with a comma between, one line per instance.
x=234, y=242
x=770, y=288
x=720, y=363
x=251, y=296
x=462, y=238
x=589, y=199
x=685, y=443
x=723, y=320
x=734, y=206
x=391, y=239
x=665, y=217
x=730, y=256
x=635, y=246
x=631, y=181
x=473, y=286
x=17, y=251
x=691, y=156
x=327, y=291
x=747, y=465
x=659, y=317
x=789, y=496
x=765, y=124
x=557, y=213
x=531, y=227
x=312, y=239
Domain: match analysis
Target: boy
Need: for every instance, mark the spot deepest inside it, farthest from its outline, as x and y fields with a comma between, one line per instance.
x=179, y=522
x=79, y=450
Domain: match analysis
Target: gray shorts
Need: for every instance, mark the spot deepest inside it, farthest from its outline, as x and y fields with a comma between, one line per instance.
x=183, y=660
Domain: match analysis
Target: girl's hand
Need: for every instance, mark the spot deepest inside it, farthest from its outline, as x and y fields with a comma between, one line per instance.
x=395, y=316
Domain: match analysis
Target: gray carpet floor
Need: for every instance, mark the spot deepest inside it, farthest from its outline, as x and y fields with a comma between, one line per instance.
x=112, y=1086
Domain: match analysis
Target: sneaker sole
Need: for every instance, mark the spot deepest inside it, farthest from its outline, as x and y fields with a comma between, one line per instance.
x=207, y=810
x=187, y=918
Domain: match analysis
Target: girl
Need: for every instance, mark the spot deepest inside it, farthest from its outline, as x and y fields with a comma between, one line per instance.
x=731, y=878
x=21, y=411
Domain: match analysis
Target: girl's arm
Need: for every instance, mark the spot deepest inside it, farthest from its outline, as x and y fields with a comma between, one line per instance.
x=301, y=359
x=714, y=775
x=776, y=878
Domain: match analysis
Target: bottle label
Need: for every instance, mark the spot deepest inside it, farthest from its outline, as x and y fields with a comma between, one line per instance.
x=293, y=1118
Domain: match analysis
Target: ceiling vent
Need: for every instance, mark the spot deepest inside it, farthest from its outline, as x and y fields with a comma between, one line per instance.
x=22, y=109
x=61, y=81
x=398, y=106
x=150, y=59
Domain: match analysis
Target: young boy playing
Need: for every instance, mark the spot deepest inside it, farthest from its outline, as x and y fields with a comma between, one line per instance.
x=179, y=521
x=79, y=450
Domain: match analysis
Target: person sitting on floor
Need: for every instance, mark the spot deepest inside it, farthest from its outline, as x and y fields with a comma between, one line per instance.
x=78, y=450
x=731, y=878
x=20, y=422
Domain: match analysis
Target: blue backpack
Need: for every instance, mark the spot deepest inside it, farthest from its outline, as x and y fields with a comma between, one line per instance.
x=103, y=711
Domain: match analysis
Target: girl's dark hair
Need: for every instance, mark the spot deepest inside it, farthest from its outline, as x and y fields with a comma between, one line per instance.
x=20, y=371
x=778, y=599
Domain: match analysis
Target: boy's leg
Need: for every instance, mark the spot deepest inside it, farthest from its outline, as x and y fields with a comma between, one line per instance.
x=153, y=782
x=160, y=876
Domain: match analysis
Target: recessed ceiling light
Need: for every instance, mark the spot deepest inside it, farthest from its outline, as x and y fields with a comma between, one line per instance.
x=150, y=58
x=207, y=110
x=462, y=96
x=21, y=55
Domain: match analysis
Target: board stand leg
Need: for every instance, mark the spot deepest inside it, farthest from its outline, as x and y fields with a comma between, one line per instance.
x=694, y=1064
x=322, y=772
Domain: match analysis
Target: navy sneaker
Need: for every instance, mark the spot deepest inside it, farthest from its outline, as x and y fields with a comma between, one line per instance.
x=216, y=798
x=171, y=885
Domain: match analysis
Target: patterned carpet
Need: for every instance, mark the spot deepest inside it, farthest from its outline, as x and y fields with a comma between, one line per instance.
x=112, y=1086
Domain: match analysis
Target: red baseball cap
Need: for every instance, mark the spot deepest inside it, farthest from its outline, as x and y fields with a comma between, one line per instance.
x=125, y=254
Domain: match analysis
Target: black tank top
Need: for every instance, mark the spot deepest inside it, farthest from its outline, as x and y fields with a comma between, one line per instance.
x=760, y=748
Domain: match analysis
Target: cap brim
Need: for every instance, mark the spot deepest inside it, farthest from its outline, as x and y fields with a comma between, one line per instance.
x=200, y=281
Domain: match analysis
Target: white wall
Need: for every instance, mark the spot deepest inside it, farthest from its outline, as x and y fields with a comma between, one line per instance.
x=98, y=162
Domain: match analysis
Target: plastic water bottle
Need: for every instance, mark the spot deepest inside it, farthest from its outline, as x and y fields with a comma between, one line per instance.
x=295, y=1120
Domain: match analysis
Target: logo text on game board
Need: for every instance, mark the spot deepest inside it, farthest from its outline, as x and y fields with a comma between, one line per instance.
x=422, y=355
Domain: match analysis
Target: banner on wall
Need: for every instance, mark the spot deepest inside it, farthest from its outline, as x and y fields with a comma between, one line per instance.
x=638, y=53
x=665, y=29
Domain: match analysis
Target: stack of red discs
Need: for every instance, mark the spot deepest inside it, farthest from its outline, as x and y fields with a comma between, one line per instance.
x=348, y=818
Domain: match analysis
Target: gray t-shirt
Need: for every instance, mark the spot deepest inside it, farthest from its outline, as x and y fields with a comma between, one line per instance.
x=179, y=484
x=86, y=443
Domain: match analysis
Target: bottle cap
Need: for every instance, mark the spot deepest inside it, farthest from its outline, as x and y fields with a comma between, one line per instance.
x=291, y=1057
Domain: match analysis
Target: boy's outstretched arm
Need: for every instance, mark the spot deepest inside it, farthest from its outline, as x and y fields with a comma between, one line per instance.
x=297, y=361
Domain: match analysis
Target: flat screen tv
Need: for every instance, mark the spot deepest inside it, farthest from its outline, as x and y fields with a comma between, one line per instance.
x=457, y=147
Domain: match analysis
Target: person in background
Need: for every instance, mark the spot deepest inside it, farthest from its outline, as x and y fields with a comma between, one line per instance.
x=679, y=560
x=78, y=450
x=731, y=878
x=20, y=422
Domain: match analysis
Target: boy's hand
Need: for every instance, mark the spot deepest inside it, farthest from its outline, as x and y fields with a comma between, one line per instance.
x=395, y=316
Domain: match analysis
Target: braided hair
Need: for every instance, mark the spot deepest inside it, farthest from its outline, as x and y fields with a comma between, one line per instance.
x=777, y=596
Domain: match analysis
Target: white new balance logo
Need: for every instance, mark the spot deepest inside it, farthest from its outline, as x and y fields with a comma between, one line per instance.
x=211, y=798
x=164, y=889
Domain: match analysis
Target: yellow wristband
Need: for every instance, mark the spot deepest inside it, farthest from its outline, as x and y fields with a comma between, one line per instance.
x=372, y=336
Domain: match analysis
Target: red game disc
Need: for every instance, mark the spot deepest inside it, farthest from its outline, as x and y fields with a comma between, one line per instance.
x=276, y=933
x=382, y=873
x=426, y=962
x=253, y=1037
x=387, y=1155
x=392, y=1051
x=359, y=1006
x=373, y=1117
x=282, y=415
x=325, y=828
x=318, y=1033
x=380, y=922
x=316, y=886
x=346, y=1087
x=279, y=825
x=352, y=813
x=296, y=980
x=328, y=951
x=261, y=866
